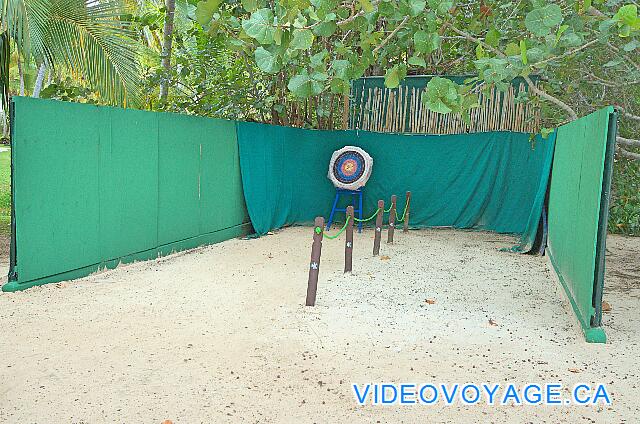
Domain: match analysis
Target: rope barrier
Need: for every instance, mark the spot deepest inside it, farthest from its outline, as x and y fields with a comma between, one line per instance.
x=344, y=227
x=368, y=219
x=403, y=214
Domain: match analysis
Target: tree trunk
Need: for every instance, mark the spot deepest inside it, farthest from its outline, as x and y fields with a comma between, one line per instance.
x=170, y=6
x=21, y=73
x=39, y=80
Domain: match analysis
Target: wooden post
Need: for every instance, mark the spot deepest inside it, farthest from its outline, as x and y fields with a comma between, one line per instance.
x=314, y=266
x=348, y=243
x=406, y=213
x=392, y=219
x=378, y=233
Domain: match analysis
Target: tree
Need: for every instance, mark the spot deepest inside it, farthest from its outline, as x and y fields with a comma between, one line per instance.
x=308, y=51
x=167, y=38
x=86, y=39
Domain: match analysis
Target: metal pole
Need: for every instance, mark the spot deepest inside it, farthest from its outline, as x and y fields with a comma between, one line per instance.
x=392, y=219
x=348, y=243
x=376, y=239
x=406, y=214
x=314, y=266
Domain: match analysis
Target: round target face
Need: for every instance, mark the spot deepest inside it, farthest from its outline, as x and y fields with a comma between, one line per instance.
x=350, y=168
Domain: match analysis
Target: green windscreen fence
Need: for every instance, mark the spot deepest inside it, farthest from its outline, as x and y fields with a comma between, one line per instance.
x=492, y=181
x=95, y=186
x=578, y=210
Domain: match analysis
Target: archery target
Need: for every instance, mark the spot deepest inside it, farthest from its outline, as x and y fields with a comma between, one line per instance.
x=350, y=168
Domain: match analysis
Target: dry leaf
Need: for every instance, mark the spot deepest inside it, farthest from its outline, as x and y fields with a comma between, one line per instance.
x=605, y=306
x=167, y=422
x=430, y=301
x=384, y=258
x=492, y=322
x=574, y=370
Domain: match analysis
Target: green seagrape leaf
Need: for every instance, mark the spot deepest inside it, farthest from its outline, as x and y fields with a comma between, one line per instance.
x=260, y=26
x=512, y=49
x=493, y=37
x=339, y=86
x=366, y=6
x=325, y=29
x=205, y=10
x=417, y=61
x=441, y=95
x=425, y=42
x=540, y=21
x=302, y=39
x=394, y=75
x=341, y=68
x=417, y=6
x=250, y=5
x=304, y=85
x=267, y=61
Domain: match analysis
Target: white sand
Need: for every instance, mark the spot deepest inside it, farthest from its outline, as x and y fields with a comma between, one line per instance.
x=220, y=334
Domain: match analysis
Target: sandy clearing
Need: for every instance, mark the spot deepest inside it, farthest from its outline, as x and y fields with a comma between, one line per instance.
x=220, y=334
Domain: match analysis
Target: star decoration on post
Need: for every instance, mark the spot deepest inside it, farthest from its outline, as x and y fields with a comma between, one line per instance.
x=314, y=265
x=348, y=244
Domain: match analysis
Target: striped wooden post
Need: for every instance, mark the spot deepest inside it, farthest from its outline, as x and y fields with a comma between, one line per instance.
x=314, y=266
x=392, y=219
x=406, y=214
x=348, y=243
x=378, y=232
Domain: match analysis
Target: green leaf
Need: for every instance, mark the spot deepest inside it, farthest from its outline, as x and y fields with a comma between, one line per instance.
x=260, y=26
x=540, y=21
x=250, y=5
x=302, y=39
x=341, y=68
x=366, y=6
x=480, y=53
x=425, y=42
x=546, y=132
x=205, y=10
x=325, y=29
x=417, y=61
x=394, y=75
x=627, y=15
x=267, y=61
x=416, y=7
x=523, y=51
x=493, y=37
x=303, y=85
x=512, y=49
x=441, y=95
x=339, y=86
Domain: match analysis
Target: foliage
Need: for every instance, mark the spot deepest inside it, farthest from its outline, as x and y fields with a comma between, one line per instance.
x=624, y=214
x=5, y=191
x=86, y=39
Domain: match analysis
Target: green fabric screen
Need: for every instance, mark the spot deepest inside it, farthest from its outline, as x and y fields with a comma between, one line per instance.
x=96, y=186
x=578, y=208
x=492, y=181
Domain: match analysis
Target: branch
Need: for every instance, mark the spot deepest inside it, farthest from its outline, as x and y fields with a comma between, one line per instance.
x=628, y=154
x=562, y=105
x=627, y=114
x=569, y=53
x=390, y=36
x=628, y=141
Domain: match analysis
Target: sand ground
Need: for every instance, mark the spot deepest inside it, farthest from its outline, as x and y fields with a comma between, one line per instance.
x=220, y=334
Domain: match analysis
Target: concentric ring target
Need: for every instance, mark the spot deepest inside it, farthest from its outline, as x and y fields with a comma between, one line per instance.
x=350, y=168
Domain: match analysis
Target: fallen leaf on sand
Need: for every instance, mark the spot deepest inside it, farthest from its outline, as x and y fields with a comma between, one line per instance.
x=574, y=370
x=430, y=301
x=384, y=258
x=492, y=322
x=605, y=306
x=167, y=422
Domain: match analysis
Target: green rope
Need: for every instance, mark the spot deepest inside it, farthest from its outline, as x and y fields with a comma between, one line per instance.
x=344, y=227
x=403, y=214
x=368, y=219
x=388, y=210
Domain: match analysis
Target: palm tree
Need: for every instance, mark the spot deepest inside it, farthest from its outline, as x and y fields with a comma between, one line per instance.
x=87, y=38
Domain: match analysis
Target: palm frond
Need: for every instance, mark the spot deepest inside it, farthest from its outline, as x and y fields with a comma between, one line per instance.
x=87, y=38
x=5, y=60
